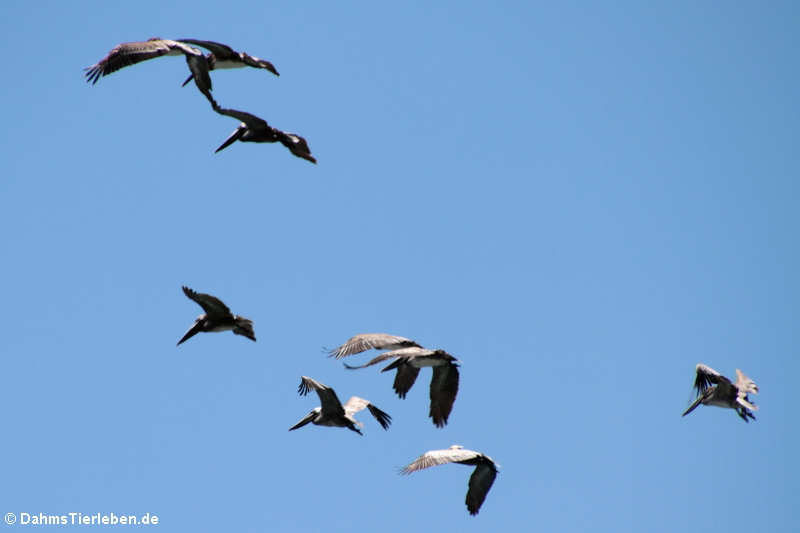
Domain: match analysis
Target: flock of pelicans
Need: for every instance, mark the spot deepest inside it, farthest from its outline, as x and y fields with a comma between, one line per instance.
x=408, y=357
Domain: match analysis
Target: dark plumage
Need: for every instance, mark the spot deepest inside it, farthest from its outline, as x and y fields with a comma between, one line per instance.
x=217, y=317
x=254, y=129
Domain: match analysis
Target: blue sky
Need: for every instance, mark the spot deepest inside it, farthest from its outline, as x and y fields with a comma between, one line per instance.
x=579, y=201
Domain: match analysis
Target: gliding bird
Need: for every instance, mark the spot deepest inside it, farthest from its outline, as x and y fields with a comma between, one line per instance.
x=254, y=129
x=480, y=481
x=217, y=317
x=125, y=54
x=408, y=362
x=723, y=393
x=332, y=413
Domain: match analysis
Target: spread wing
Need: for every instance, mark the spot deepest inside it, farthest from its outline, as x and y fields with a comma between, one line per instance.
x=444, y=388
x=252, y=121
x=454, y=454
x=327, y=396
x=126, y=54
x=211, y=305
x=369, y=341
x=356, y=404
x=480, y=482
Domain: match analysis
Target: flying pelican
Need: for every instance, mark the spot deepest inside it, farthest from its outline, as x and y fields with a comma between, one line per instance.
x=217, y=317
x=444, y=382
x=223, y=56
x=479, y=482
x=125, y=54
x=368, y=341
x=723, y=393
x=332, y=413
x=254, y=129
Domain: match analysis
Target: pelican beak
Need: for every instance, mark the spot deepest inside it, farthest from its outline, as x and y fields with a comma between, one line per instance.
x=230, y=140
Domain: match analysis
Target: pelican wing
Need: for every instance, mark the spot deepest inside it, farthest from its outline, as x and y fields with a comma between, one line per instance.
x=369, y=341
x=356, y=404
x=126, y=54
x=327, y=396
x=454, y=454
x=404, y=379
x=221, y=51
x=705, y=376
x=480, y=482
x=212, y=305
x=374, y=361
x=198, y=65
x=251, y=121
x=444, y=388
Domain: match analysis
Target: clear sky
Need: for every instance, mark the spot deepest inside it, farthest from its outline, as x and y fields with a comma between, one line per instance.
x=579, y=201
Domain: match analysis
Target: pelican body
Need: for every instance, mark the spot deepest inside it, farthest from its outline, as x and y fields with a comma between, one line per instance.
x=408, y=362
x=255, y=129
x=480, y=481
x=715, y=389
x=217, y=317
x=332, y=413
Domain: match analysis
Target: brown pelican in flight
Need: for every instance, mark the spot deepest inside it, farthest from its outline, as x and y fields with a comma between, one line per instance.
x=332, y=413
x=217, y=317
x=444, y=382
x=126, y=54
x=723, y=393
x=223, y=56
x=370, y=341
x=479, y=482
x=254, y=129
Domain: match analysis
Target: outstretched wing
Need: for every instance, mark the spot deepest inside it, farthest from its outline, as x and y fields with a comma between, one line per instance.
x=212, y=305
x=454, y=454
x=327, y=396
x=356, y=404
x=444, y=388
x=480, y=482
x=126, y=54
x=369, y=341
x=251, y=121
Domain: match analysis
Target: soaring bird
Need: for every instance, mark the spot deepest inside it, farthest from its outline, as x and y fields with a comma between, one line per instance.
x=223, y=56
x=125, y=54
x=480, y=481
x=254, y=129
x=723, y=393
x=408, y=362
x=217, y=317
x=369, y=341
x=332, y=413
